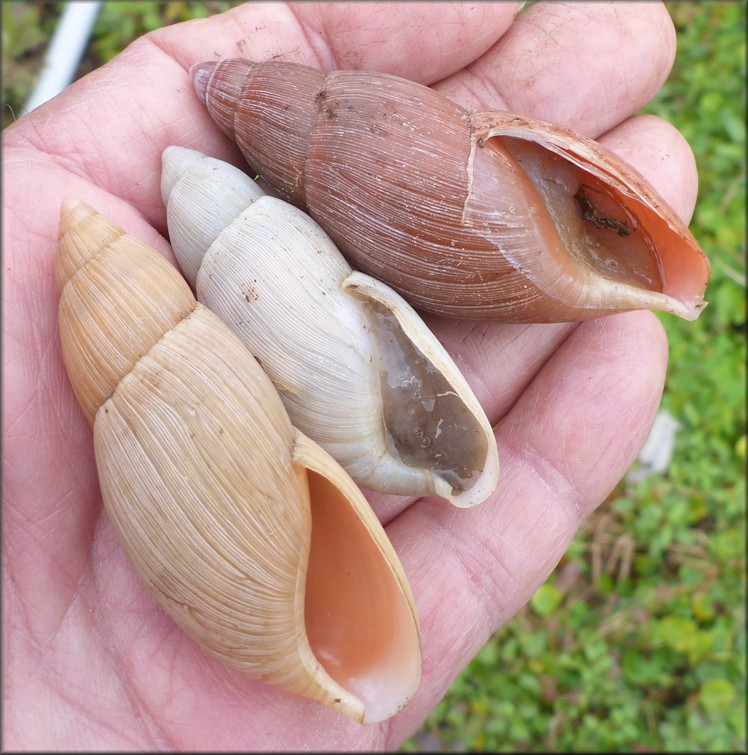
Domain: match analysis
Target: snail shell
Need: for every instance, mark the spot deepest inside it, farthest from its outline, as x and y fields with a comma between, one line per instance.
x=357, y=369
x=478, y=215
x=251, y=536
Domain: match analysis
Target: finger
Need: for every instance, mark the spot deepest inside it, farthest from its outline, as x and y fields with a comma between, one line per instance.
x=566, y=443
x=498, y=361
x=404, y=39
x=586, y=66
x=113, y=124
x=660, y=152
x=415, y=40
x=110, y=127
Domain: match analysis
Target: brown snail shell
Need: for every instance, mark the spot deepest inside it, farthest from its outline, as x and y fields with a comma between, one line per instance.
x=477, y=215
x=249, y=535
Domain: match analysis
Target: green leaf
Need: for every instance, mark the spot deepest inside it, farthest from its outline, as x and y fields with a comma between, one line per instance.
x=546, y=600
x=641, y=670
x=716, y=695
x=740, y=448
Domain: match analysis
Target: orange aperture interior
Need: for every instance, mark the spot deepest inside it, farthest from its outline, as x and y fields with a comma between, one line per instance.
x=359, y=623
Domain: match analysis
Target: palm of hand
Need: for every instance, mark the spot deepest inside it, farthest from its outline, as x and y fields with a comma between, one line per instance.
x=91, y=660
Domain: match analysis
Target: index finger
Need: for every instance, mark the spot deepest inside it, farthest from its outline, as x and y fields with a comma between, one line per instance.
x=422, y=41
x=585, y=66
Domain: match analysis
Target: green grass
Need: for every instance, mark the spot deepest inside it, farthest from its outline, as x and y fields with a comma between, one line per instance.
x=637, y=640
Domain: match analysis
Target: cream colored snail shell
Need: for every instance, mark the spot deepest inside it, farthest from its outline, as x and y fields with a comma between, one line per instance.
x=357, y=368
x=250, y=536
x=485, y=215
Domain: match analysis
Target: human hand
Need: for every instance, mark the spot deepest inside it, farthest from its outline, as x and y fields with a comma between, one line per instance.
x=91, y=660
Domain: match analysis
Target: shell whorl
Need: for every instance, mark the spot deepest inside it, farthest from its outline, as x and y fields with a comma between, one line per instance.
x=107, y=291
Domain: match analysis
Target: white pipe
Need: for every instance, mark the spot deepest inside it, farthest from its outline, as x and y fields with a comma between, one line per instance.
x=65, y=50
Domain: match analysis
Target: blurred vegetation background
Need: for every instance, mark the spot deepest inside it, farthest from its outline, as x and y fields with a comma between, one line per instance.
x=637, y=641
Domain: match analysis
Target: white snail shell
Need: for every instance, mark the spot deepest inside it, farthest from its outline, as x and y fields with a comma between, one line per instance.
x=356, y=367
x=251, y=537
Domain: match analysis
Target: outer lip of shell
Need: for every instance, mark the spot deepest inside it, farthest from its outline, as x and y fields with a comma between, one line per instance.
x=686, y=270
x=395, y=680
x=369, y=289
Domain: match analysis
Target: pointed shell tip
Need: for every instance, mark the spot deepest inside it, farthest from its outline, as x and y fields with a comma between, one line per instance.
x=200, y=73
x=174, y=163
x=72, y=211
